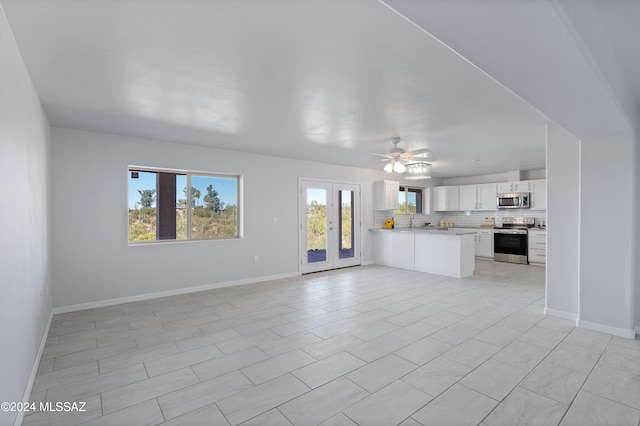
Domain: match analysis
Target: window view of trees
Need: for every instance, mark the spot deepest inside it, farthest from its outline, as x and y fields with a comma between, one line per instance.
x=410, y=201
x=216, y=218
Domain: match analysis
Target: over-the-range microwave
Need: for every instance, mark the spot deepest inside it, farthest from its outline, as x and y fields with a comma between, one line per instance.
x=518, y=200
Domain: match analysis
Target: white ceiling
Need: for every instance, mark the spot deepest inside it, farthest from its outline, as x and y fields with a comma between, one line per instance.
x=327, y=81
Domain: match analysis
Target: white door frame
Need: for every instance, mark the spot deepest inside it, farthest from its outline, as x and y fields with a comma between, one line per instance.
x=333, y=262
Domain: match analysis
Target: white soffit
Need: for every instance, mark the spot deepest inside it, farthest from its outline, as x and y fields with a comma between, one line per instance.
x=533, y=48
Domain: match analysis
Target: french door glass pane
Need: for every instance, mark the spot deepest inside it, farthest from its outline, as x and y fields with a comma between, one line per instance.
x=346, y=250
x=316, y=225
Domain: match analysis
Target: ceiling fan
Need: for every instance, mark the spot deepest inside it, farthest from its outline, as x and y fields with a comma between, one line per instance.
x=396, y=157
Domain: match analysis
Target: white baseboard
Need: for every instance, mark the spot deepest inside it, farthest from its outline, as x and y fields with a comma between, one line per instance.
x=616, y=331
x=146, y=296
x=561, y=314
x=367, y=263
x=34, y=370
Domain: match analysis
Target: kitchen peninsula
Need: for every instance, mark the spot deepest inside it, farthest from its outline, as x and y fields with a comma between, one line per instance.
x=449, y=252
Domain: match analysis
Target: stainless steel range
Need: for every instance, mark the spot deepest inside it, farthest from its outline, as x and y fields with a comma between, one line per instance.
x=510, y=242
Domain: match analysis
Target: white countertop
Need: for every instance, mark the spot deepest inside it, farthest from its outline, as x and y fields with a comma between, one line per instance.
x=450, y=231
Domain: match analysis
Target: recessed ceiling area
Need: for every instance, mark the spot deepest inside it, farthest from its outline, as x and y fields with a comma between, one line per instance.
x=320, y=81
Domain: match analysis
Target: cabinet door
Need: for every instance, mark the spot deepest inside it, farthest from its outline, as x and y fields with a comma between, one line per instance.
x=485, y=244
x=521, y=186
x=439, y=199
x=446, y=198
x=391, y=194
x=487, y=197
x=505, y=187
x=468, y=197
x=538, y=194
x=386, y=194
x=453, y=198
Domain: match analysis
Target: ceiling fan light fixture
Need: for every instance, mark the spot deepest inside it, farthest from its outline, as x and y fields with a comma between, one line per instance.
x=417, y=171
x=395, y=167
x=397, y=156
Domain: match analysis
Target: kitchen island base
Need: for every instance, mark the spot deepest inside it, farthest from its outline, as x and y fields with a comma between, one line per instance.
x=448, y=253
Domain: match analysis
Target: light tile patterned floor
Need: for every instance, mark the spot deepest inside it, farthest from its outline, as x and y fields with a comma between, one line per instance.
x=359, y=346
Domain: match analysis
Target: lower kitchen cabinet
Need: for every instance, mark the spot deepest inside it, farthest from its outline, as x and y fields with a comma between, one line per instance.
x=538, y=247
x=484, y=243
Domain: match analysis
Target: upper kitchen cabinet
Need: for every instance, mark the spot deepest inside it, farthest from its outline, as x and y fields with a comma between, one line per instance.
x=446, y=198
x=478, y=197
x=508, y=187
x=385, y=194
x=538, y=190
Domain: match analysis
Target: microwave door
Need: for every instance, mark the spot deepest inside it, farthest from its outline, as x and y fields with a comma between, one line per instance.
x=507, y=203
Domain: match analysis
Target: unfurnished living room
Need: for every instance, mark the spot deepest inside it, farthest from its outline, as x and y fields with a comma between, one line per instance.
x=365, y=212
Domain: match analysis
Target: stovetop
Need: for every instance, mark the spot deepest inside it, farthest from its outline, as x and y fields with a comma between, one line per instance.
x=517, y=223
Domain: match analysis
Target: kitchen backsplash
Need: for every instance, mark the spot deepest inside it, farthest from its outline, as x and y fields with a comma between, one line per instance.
x=472, y=219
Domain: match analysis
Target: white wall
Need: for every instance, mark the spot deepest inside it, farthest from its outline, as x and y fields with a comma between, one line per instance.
x=606, y=262
x=590, y=264
x=92, y=260
x=636, y=213
x=25, y=278
x=563, y=221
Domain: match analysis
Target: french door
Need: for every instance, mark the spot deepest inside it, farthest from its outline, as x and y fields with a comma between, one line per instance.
x=329, y=225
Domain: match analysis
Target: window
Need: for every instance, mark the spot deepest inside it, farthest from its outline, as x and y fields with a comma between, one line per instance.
x=180, y=205
x=409, y=200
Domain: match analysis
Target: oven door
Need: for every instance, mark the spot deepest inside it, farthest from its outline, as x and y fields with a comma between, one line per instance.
x=510, y=246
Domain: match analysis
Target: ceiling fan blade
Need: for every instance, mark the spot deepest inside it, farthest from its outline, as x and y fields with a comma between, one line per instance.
x=419, y=159
x=381, y=155
x=419, y=152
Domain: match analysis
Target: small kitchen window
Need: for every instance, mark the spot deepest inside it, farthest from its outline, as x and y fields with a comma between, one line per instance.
x=409, y=200
x=176, y=205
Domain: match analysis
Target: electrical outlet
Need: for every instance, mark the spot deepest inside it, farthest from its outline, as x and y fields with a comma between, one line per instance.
x=275, y=220
x=256, y=258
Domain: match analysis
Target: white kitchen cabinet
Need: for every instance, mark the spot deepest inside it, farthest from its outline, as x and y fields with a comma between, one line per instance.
x=537, y=246
x=484, y=243
x=446, y=198
x=487, y=196
x=468, y=197
x=538, y=190
x=478, y=197
x=385, y=194
x=506, y=187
